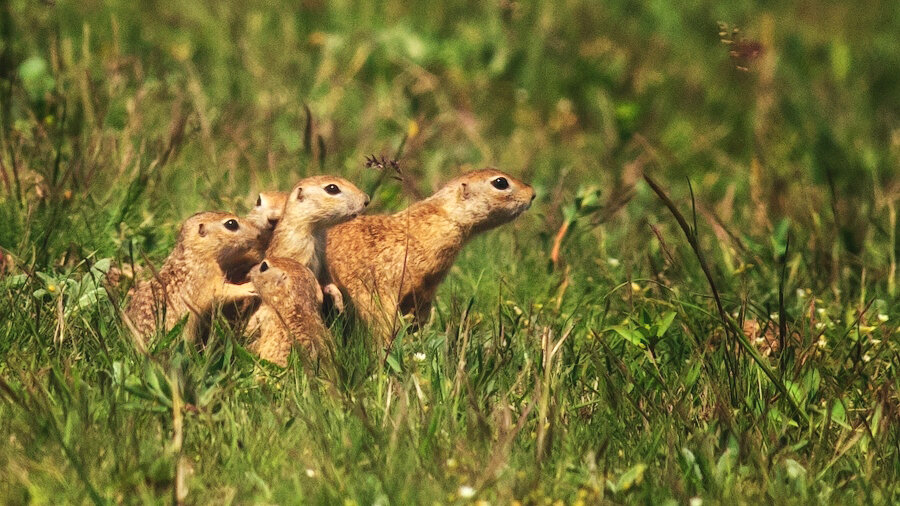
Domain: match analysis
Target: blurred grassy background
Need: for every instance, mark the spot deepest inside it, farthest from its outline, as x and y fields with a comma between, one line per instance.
x=781, y=120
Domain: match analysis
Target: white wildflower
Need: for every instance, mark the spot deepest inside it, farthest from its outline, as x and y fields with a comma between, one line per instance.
x=466, y=492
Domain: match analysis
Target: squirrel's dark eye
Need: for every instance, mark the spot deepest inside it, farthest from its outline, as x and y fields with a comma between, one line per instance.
x=500, y=183
x=231, y=225
x=263, y=267
x=259, y=201
x=332, y=189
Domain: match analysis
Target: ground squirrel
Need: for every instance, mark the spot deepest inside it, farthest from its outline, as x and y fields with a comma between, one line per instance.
x=214, y=250
x=289, y=313
x=267, y=212
x=395, y=262
x=315, y=204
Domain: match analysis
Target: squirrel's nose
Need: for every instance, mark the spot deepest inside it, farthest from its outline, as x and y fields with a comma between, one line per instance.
x=273, y=222
x=263, y=267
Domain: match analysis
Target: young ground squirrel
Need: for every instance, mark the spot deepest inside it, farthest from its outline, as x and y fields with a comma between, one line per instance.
x=267, y=212
x=214, y=250
x=289, y=313
x=315, y=204
x=396, y=262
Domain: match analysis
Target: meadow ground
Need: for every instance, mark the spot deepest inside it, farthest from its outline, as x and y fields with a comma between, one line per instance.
x=728, y=334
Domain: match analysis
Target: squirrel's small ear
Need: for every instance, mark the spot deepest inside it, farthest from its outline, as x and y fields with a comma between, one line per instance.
x=299, y=193
x=202, y=230
x=464, y=190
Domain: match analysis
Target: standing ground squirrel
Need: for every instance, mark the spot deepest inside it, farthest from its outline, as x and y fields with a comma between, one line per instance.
x=315, y=204
x=396, y=262
x=289, y=313
x=213, y=251
x=267, y=212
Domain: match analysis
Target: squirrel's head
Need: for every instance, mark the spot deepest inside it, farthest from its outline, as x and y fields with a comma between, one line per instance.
x=268, y=210
x=277, y=278
x=484, y=199
x=233, y=242
x=324, y=201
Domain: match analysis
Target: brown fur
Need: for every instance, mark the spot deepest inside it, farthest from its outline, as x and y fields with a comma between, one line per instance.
x=310, y=210
x=392, y=263
x=196, y=275
x=300, y=231
x=289, y=313
x=267, y=212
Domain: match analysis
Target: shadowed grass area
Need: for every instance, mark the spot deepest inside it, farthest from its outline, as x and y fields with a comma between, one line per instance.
x=578, y=354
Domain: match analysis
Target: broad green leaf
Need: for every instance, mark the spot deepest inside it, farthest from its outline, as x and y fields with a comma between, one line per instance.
x=46, y=278
x=693, y=373
x=839, y=414
x=632, y=336
x=392, y=361
x=15, y=281
x=631, y=477
x=811, y=381
x=102, y=266
x=665, y=322
x=796, y=391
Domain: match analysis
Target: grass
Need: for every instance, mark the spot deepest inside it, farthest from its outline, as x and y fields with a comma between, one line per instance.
x=728, y=334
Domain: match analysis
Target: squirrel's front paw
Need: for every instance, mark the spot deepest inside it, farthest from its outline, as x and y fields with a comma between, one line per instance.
x=337, y=299
x=231, y=291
